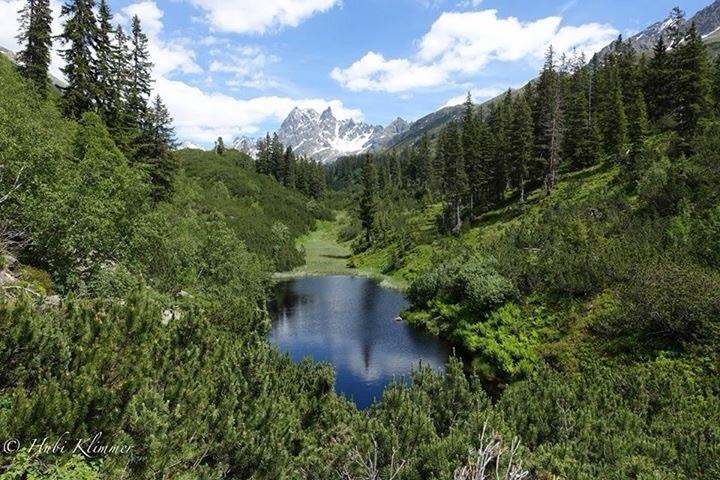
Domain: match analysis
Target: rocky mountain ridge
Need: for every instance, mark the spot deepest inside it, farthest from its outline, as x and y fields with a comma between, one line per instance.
x=323, y=137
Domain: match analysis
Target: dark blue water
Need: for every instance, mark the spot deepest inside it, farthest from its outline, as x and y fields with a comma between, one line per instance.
x=350, y=323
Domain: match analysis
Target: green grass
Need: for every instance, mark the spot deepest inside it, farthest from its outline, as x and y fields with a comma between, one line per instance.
x=325, y=255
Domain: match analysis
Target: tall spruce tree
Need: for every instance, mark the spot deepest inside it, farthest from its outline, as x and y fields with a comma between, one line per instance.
x=657, y=86
x=290, y=167
x=580, y=142
x=158, y=149
x=277, y=154
x=471, y=152
x=456, y=181
x=106, y=99
x=614, y=125
x=368, y=199
x=548, y=119
x=425, y=167
x=119, y=118
x=79, y=36
x=638, y=126
x=140, y=76
x=522, y=151
x=500, y=125
x=692, y=85
x=36, y=40
x=262, y=164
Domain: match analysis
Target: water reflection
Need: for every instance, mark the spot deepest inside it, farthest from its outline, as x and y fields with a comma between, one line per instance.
x=350, y=322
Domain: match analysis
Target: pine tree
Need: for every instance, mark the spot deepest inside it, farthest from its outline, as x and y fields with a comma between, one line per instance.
x=637, y=126
x=120, y=121
x=262, y=165
x=692, y=84
x=220, y=146
x=106, y=99
x=368, y=199
x=548, y=120
x=140, y=75
x=425, y=167
x=277, y=154
x=471, y=152
x=614, y=125
x=36, y=39
x=158, y=149
x=657, y=86
x=456, y=182
x=79, y=34
x=580, y=142
x=500, y=125
x=290, y=168
x=522, y=150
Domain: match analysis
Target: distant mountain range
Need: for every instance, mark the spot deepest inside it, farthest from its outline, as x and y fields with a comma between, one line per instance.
x=325, y=138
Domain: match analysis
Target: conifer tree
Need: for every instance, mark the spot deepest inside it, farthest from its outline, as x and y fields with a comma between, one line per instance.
x=106, y=99
x=79, y=35
x=456, y=182
x=614, y=125
x=500, y=125
x=425, y=167
x=657, y=86
x=157, y=150
x=548, y=120
x=277, y=155
x=140, y=75
x=119, y=119
x=580, y=142
x=289, y=167
x=220, y=146
x=637, y=126
x=36, y=40
x=692, y=84
x=262, y=165
x=471, y=152
x=521, y=153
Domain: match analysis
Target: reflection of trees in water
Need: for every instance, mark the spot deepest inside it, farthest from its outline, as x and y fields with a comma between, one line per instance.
x=369, y=295
x=284, y=297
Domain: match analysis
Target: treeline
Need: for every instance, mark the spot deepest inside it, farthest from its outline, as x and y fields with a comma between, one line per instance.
x=293, y=171
x=109, y=73
x=281, y=163
x=574, y=115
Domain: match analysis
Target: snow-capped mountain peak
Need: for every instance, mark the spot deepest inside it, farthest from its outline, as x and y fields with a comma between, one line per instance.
x=325, y=138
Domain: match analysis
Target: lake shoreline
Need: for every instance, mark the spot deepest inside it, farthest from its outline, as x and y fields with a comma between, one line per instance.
x=325, y=255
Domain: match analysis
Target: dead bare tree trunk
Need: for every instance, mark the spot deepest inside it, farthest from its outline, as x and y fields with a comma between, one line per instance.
x=492, y=460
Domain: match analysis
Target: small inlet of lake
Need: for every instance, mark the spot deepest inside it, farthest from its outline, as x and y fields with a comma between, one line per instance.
x=350, y=322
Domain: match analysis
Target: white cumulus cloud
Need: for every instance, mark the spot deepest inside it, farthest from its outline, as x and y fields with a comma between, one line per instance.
x=259, y=16
x=463, y=43
x=202, y=117
x=168, y=55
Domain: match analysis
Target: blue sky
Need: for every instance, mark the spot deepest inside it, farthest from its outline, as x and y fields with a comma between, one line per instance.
x=230, y=67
